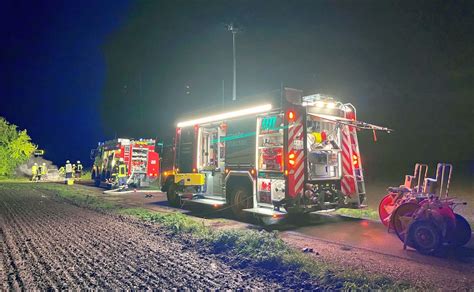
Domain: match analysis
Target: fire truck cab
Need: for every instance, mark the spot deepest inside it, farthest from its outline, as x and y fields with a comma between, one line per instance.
x=287, y=155
x=141, y=162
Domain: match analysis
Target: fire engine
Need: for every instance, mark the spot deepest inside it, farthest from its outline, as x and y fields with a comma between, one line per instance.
x=139, y=156
x=289, y=154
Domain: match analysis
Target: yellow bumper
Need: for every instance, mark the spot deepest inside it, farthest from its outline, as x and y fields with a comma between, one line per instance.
x=189, y=179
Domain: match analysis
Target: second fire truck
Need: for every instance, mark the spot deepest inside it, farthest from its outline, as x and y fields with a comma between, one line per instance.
x=289, y=154
x=140, y=163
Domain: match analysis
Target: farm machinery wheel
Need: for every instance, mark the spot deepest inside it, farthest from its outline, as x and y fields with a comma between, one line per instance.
x=172, y=195
x=461, y=234
x=386, y=207
x=424, y=236
x=402, y=217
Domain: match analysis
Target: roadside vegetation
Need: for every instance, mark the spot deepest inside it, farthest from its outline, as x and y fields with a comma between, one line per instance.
x=366, y=213
x=15, y=148
x=253, y=248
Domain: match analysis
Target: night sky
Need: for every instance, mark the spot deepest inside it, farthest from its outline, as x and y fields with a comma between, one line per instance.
x=77, y=73
x=52, y=71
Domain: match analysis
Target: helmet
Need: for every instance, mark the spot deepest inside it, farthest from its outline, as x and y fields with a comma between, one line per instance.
x=78, y=162
x=44, y=163
x=35, y=163
x=67, y=161
x=121, y=159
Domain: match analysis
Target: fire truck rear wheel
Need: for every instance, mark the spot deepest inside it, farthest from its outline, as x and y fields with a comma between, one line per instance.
x=174, y=199
x=241, y=199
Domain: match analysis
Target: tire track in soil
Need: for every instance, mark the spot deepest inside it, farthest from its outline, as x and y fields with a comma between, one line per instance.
x=55, y=232
x=46, y=250
x=25, y=253
x=89, y=268
x=91, y=246
x=42, y=253
x=119, y=253
x=99, y=254
x=173, y=264
x=9, y=276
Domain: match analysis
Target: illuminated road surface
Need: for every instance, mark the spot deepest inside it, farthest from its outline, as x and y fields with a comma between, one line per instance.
x=373, y=236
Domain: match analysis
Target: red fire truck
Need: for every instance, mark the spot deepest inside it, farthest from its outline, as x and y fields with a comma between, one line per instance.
x=139, y=156
x=289, y=154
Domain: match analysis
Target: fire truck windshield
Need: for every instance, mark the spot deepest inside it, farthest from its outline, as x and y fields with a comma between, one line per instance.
x=323, y=140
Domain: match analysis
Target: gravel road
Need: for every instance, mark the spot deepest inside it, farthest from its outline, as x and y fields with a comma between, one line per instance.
x=46, y=244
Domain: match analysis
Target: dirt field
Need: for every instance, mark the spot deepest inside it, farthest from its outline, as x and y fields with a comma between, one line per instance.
x=50, y=244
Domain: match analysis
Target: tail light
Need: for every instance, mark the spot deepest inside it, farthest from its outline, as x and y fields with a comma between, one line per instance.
x=253, y=172
x=291, y=159
x=291, y=116
x=355, y=161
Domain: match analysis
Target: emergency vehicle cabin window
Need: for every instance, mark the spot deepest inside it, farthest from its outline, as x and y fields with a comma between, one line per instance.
x=323, y=147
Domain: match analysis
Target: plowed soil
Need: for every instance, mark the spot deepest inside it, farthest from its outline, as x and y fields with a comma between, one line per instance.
x=46, y=243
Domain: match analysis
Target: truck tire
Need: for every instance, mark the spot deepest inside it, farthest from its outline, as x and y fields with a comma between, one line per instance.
x=174, y=200
x=241, y=199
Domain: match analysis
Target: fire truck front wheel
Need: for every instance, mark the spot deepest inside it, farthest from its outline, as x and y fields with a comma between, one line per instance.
x=241, y=199
x=174, y=199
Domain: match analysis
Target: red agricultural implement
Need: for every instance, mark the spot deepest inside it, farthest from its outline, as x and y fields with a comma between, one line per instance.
x=421, y=213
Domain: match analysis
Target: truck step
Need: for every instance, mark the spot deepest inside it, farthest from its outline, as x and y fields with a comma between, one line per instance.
x=265, y=212
x=205, y=201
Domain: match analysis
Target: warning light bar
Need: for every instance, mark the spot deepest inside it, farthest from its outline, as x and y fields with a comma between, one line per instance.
x=228, y=115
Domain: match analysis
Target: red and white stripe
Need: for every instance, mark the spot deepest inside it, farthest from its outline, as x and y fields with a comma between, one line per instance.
x=348, y=185
x=296, y=172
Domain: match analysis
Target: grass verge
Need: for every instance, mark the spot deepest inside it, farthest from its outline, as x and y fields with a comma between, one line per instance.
x=257, y=248
x=366, y=213
x=13, y=179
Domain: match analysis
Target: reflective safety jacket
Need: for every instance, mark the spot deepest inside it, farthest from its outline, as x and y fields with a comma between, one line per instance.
x=68, y=167
x=34, y=169
x=122, y=170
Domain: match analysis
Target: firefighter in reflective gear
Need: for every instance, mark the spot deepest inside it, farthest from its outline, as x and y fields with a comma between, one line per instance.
x=34, y=172
x=44, y=170
x=78, y=170
x=121, y=172
x=39, y=172
x=68, y=169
